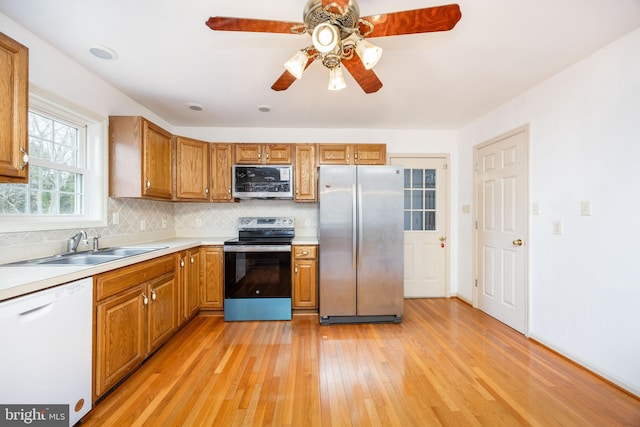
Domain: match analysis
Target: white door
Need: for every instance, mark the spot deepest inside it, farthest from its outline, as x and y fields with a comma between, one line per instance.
x=501, y=227
x=425, y=224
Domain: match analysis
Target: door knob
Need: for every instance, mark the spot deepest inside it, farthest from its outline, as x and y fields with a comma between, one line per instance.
x=517, y=242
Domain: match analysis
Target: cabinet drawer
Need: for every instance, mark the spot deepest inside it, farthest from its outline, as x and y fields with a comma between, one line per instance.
x=112, y=282
x=305, y=252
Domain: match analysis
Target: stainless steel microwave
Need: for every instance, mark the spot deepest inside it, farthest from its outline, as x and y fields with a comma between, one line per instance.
x=262, y=182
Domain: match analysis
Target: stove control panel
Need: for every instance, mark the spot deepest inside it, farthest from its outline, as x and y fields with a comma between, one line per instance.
x=249, y=222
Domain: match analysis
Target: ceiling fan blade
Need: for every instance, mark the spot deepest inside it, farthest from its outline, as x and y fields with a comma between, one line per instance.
x=367, y=79
x=287, y=79
x=430, y=19
x=221, y=23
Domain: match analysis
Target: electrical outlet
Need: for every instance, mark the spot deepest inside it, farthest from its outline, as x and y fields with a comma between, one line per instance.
x=143, y=225
x=115, y=218
x=585, y=208
x=198, y=223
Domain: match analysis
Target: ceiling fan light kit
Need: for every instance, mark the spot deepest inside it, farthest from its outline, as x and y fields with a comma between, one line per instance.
x=336, y=78
x=297, y=63
x=337, y=32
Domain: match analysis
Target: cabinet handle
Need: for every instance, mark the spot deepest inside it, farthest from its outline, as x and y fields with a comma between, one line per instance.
x=259, y=155
x=206, y=190
x=147, y=183
x=305, y=252
x=25, y=159
x=229, y=190
x=181, y=262
x=145, y=300
x=192, y=260
x=355, y=157
x=267, y=155
x=296, y=269
x=153, y=295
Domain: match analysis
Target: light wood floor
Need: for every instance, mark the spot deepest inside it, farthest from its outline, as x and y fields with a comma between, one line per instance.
x=446, y=364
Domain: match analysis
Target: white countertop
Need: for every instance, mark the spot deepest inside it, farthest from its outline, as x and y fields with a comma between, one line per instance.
x=20, y=280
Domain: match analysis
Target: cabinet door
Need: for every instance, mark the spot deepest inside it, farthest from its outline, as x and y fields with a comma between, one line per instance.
x=248, y=153
x=221, y=167
x=334, y=154
x=277, y=154
x=163, y=314
x=157, y=161
x=370, y=154
x=120, y=337
x=305, y=173
x=183, y=287
x=14, y=87
x=213, y=278
x=305, y=283
x=193, y=284
x=192, y=169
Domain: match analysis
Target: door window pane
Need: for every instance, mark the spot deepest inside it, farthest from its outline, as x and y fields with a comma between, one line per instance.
x=420, y=199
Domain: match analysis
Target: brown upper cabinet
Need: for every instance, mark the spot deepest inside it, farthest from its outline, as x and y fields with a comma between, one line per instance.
x=352, y=154
x=267, y=154
x=14, y=104
x=221, y=164
x=192, y=169
x=305, y=173
x=140, y=159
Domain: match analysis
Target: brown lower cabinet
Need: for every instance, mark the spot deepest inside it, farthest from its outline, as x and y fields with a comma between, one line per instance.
x=212, y=296
x=136, y=310
x=305, y=277
x=189, y=267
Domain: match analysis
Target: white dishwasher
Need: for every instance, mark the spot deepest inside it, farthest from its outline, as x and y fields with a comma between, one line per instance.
x=46, y=349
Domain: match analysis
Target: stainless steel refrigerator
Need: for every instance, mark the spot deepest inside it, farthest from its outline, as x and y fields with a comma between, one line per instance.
x=361, y=244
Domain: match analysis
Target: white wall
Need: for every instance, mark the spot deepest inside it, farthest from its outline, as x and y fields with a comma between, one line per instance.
x=584, y=145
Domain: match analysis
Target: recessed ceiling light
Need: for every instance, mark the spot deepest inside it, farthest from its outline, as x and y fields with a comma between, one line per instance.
x=195, y=107
x=264, y=108
x=103, y=52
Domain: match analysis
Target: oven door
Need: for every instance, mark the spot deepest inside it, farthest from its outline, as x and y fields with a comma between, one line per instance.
x=257, y=272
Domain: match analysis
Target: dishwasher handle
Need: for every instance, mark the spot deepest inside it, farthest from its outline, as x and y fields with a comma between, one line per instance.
x=35, y=313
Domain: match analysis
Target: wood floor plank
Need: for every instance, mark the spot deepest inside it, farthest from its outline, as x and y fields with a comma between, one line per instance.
x=446, y=364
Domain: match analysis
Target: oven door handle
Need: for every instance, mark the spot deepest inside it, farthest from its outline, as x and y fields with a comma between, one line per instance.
x=258, y=248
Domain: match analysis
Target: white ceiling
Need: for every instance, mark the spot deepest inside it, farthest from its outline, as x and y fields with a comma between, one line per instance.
x=168, y=57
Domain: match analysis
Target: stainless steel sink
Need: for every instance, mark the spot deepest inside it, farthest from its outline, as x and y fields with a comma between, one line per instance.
x=87, y=258
x=124, y=252
x=81, y=259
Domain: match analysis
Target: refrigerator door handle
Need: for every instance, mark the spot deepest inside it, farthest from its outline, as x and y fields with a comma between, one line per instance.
x=360, y=221
x=354, y=233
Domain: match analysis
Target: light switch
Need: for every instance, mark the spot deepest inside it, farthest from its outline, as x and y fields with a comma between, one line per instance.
x=585, y=208
x=115, y=218
x=466, y=209
x=535, y=208
x=557, y=227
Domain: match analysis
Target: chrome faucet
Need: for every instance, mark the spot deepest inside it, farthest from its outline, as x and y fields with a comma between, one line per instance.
x=73, y=242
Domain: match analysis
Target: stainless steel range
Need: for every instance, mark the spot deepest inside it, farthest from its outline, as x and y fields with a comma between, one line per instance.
x=257, y=270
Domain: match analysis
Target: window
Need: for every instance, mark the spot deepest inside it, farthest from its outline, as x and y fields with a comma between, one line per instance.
x=419, y=199
x=65, y=188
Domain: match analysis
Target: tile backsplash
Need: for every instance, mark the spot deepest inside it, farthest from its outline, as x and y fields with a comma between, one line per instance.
x=144, y=220
x=220, y=219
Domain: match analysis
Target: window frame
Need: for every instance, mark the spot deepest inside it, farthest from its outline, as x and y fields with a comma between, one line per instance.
x=94, y=209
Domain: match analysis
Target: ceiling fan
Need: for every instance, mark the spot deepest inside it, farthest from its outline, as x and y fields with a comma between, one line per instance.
x=338, y=37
